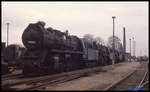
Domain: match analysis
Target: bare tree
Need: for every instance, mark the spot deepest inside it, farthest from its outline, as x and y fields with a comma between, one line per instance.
x=99, y=40
x=117, y=42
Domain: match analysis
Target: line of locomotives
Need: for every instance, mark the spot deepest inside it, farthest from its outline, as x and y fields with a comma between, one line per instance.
x=51, y=51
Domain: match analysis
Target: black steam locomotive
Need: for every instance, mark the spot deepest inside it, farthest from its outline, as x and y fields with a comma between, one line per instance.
x=52, y=51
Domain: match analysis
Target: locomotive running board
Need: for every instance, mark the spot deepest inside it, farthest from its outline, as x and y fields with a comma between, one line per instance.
x=66, y=51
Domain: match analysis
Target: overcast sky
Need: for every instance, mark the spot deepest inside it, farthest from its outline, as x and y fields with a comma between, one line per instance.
x=80, y=18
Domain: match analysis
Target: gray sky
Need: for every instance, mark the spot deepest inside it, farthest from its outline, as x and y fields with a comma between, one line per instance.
x=80, y=18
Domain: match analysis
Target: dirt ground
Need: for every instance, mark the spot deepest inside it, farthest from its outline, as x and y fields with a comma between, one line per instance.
x=100, y=80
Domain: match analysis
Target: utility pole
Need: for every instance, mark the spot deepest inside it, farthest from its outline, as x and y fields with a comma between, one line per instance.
x=130, y=50
x=7, y=32
x=133, y=47
x=113, y=62
x=124, y=44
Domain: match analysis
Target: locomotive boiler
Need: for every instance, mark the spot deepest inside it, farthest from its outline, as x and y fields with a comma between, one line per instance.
x=36, y=37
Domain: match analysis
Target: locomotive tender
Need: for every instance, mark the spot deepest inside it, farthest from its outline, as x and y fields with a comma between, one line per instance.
x=51, y=51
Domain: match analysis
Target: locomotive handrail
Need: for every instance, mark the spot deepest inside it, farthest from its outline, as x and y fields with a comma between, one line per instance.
x=29, y=56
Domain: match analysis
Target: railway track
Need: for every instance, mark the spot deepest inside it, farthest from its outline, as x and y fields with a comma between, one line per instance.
x=41, y=82
x=135, y=80
x=145, y=81
x=13, y=75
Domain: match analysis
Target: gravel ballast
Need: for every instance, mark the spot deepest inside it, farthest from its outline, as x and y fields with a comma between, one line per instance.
x=100, y=80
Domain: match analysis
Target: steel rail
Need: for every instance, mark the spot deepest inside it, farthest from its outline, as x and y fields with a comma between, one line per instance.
x=53, y=82
x=50, y=77
x=119, y=81
x=143, y=79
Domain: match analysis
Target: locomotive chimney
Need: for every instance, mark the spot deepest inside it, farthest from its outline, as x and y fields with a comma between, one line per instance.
x=42, y=23
x=67, y=33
